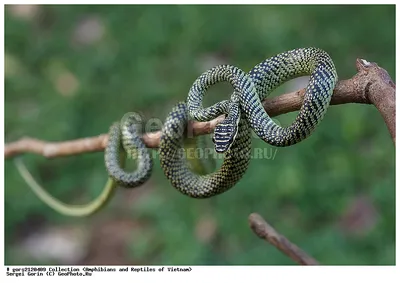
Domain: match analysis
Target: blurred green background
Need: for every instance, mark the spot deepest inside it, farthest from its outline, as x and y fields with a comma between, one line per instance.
x=70, y=71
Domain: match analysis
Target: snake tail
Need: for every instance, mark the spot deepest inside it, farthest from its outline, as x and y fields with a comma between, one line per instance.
x=61, y=207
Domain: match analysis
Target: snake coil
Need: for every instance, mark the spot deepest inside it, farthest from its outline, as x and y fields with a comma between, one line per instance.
x=232, y=137
x=243, y=111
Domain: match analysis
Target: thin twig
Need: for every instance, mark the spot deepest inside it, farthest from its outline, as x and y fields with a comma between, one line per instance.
x=371, y=85
x=265, y=231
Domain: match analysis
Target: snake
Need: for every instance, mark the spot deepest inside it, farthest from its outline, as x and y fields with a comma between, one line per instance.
x=244, y=111
x=124, y=141
x=128, y=134
x=232, y=137
x=173, y=161
x=61, y=207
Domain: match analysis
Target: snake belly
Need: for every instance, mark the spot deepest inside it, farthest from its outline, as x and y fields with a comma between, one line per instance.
x=275, y=71
x=174, y=163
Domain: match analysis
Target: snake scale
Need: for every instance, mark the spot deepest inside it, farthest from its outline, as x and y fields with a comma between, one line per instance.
x=232, y=137
x=244, y=111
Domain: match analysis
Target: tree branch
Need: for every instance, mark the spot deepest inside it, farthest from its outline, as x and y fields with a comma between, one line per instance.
x=371, y=85
x=265, y=231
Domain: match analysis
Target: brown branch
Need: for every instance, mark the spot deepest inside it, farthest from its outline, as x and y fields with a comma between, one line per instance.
x=371, y=85
x=265, y=231
x=90, y=144
x=380, y=90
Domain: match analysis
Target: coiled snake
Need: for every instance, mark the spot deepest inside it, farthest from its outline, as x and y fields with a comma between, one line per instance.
x=232, y=137
x=125, y=133
x=244, y=109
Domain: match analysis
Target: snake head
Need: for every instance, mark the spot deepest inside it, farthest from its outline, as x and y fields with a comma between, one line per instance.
x=224, y=135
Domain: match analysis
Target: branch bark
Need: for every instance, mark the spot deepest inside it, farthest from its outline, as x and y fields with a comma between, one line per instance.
x=371, y=85
x=265, y=231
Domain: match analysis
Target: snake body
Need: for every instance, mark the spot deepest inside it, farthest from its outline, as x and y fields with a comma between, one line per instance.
x=232, y=137
x=175, y=167
x=127, y=131
x=243, y=111
x=260, y=82
x=277, y=70
x=127, y=134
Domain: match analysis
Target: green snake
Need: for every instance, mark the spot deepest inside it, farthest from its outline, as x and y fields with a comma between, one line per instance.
x=124, y=141
x=232, y=137
x=125, y=133
x=61, y=207
x=243, y=111
x=260, y=82
x=129, y=135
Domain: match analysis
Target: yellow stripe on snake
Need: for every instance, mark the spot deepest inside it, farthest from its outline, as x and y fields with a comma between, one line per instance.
x=232, y=137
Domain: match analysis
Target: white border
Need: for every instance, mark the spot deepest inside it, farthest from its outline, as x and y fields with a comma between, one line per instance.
x=225, y=273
